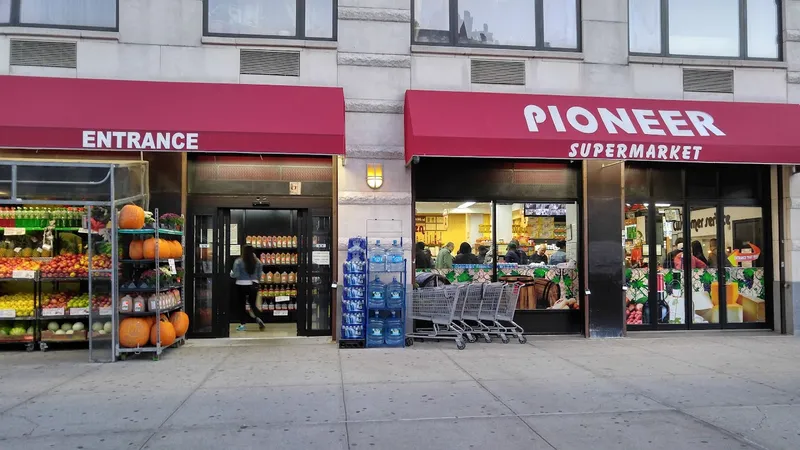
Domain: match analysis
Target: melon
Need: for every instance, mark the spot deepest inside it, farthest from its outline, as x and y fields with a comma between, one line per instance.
x=53, y=326
x=66, y=326
x=78, y=326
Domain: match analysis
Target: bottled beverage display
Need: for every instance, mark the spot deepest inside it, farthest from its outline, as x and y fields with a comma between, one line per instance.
x=395, y=294
x=271, y=241
x=395, y=261
x=41, y=216
x=376, y=297
x=375, y=330
x=377, y=258
x=393, y=330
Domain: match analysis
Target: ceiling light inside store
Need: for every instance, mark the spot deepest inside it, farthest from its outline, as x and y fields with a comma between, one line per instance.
x=465, y=205
x=662, y=205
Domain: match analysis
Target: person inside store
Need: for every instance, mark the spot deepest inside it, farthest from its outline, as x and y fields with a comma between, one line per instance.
x=444, y=260
x=465, y=255
x=540, y=257
x=712, y=255
x=670, y=257
x=247, y=271
x=698, y=259
x=560, y=255
x=512, y=256
x=523, y=257
x=423, y=261
x=483, y=250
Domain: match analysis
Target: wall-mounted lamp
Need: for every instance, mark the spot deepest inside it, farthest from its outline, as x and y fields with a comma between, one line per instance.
x=375, y=176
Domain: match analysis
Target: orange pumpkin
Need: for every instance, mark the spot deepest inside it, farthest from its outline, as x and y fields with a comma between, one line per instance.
x=167, y=333
x=177, y=249
x=164, y=249
x=149, y=248
x=151, y=320
x=136, y=250
x=133, y=332
x=131, y=217
x=180, y=321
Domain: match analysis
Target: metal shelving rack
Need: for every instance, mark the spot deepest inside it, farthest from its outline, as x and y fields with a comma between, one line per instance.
x=27, y=340
x=156, y=232
x=108, y=185
x=382, y=321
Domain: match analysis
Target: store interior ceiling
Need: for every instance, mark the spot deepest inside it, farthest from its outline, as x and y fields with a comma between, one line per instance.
x=462, y=207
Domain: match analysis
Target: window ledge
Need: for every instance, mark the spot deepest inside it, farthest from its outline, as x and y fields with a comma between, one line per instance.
x=713, y=62
x=270, y=42
x=480, y=51
x=60, y=33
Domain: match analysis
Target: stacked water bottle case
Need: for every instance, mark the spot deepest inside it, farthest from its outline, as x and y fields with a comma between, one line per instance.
x=355, y=288
x=386, y=299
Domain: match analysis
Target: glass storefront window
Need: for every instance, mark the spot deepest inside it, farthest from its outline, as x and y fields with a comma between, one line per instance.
x=637, y=263
x=744, y=264
x=5, y=11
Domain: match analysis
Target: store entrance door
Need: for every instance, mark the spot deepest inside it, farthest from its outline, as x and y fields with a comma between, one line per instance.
x=294, y=246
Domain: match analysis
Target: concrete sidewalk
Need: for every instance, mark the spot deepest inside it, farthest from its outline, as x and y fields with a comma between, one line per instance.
x=672, y=391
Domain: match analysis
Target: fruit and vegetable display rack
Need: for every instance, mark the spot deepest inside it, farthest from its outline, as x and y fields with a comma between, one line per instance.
x=75, y=244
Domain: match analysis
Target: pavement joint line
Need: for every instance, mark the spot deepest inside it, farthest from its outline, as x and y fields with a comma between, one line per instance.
x=524, y=422
x=344, y=401
x=205, y=378
x=739, y=437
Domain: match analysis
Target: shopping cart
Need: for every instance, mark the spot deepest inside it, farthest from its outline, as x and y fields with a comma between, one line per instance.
x=438, y=306
x=492, y=296
x=503, y=323
x=467, y=315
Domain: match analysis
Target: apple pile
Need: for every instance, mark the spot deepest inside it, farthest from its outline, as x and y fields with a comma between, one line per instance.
x=101, y=301
x=9, y=265
x=57, y=300
x=74, y=266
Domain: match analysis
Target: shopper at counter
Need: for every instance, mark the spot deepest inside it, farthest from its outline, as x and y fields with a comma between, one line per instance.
x=465, y=255
x=540, y=257
x=512, y=257
x=444, y=260
x=560, y=256
x=423, y=261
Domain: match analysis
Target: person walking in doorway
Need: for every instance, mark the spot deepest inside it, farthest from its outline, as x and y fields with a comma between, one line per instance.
x=247, y=271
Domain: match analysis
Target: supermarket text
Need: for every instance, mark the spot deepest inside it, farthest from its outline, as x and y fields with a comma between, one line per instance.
x=132, y=140
x=660, y=152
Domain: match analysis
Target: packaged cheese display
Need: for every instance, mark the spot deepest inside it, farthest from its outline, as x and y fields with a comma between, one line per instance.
x=753, y=309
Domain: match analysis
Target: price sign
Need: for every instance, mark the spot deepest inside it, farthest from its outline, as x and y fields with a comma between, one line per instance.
x=50, y=312
x=280, y=312
x=79, y=311
x=281, y=298
x=172, y=269
x=8, y=313
x=11, y=231
x=24, y=274
x=105, y=311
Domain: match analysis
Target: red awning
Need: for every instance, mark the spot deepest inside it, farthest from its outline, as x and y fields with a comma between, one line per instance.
x=70, y=113
x=476, y=124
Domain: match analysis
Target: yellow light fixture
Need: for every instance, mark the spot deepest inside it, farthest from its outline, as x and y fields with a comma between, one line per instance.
x=375, y=176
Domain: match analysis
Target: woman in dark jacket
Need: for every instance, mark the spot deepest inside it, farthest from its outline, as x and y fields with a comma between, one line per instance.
x=422, y=258
x=465, y=255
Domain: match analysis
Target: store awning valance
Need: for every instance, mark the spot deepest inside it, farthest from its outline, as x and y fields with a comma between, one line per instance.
x=474, y=124
x=69, y=113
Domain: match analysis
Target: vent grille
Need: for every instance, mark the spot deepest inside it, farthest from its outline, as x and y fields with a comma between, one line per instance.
x=704, y=80
x=259, y=62
x=44, y=54
x=494, y=71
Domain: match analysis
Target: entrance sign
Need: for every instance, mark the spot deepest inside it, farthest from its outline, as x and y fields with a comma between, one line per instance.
x=491, y=125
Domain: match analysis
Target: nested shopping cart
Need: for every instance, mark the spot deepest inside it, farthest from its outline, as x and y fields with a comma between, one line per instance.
x=467, y=314
x=503, y=323
x=437, y=306
x=492, y=295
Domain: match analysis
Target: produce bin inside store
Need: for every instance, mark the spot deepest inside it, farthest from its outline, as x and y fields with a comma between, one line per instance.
x=65, y=257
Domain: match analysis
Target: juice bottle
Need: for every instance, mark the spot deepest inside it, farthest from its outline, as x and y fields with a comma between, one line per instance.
x=292, y=278
x=294, y=241
x=284, y=278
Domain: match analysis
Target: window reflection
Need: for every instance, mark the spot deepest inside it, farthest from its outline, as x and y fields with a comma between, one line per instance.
x=319, y=18
x=497, y=22
x=762, y=29
x=704, y=28
x=5, y=11
x=432, y=21
x=77, y=13
x=645, y=26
